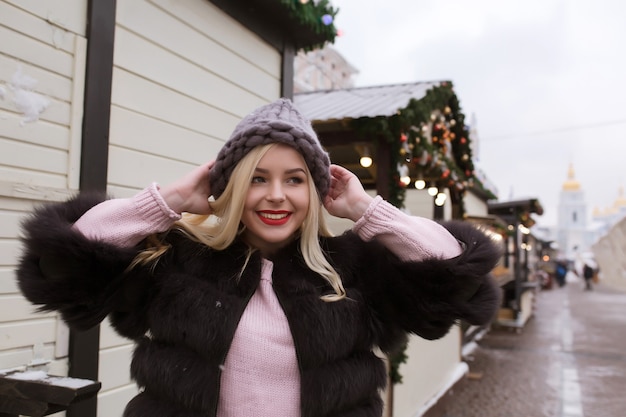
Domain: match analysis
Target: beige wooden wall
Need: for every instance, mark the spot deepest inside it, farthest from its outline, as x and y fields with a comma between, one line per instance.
x=42, y=60
x=185, y=74
x=432, y=367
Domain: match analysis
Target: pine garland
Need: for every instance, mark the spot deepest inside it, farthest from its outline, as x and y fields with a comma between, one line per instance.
x=310, y=14
x=395, y=360
x=429, y=135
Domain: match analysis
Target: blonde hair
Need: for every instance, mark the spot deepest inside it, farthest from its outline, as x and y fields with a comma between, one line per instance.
x=220, y=229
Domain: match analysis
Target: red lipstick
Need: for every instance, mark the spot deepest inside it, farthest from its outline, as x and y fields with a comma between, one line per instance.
x=273, y=217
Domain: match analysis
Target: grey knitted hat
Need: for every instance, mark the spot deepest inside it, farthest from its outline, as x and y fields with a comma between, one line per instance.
x=277, y=122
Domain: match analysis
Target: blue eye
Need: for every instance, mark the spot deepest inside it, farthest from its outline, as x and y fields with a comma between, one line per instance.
x=295, y=180
x=256, y=180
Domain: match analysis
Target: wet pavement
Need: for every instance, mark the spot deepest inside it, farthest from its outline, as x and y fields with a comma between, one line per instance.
x=568, y=361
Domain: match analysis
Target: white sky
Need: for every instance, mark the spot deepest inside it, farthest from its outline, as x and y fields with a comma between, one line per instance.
x=545, y=79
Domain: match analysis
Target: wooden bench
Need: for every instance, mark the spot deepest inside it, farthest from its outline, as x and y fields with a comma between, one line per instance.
x=35, y=393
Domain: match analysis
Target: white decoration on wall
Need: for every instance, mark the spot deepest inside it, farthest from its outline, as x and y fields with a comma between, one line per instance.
x=26, y=101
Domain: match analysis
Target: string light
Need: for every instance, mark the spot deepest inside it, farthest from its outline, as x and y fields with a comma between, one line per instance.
x=403, y=170
x=419, y=182
x=366, y=159
x=441, y=199
x=327, y=19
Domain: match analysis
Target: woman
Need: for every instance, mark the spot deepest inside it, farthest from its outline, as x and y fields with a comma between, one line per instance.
x=245, y=305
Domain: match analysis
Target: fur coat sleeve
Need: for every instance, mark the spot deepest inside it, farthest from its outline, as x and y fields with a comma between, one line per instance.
x=62, y=270
x=427, y=297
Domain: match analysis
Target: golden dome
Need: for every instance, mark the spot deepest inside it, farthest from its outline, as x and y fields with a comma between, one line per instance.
x=621, y=200
x=571, y=184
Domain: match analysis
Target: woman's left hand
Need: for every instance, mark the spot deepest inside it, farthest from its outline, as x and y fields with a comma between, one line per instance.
x=190, y=193
x=346, y=197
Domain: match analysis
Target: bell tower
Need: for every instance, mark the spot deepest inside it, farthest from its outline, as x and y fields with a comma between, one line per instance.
x=572, y=217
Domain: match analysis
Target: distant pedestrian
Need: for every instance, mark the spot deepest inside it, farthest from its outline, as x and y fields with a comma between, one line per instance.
x=560, y=272
x=588, y=273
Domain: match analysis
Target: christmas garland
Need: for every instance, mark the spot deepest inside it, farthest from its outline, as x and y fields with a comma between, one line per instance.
x=429, y=137
x=318, y=15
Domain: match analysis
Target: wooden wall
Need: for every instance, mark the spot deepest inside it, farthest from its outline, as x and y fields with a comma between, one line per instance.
x=185, y=73
x=42, y=59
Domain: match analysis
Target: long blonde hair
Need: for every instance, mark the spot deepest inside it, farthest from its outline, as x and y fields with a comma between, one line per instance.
x=220, y=229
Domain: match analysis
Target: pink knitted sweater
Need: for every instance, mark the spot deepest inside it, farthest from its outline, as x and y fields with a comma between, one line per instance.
x=260, y=376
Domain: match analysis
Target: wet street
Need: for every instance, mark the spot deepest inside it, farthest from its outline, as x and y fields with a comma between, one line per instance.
x=569, y=360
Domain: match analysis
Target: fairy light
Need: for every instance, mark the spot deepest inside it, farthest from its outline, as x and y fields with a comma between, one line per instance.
x=327, y=19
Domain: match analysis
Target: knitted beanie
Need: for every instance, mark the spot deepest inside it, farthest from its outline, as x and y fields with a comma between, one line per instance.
x=277, y=122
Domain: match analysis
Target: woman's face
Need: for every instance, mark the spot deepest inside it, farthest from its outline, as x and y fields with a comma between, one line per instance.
x=278, y=199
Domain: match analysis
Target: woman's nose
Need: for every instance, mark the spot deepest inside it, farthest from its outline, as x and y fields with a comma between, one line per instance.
x=276, y=192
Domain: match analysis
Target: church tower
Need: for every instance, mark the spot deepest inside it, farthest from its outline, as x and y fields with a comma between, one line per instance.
x=572, y=218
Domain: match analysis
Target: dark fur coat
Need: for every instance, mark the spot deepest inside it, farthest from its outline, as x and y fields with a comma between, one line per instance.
x=183, y=313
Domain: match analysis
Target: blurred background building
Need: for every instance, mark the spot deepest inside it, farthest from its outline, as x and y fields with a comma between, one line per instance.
x=322, y=69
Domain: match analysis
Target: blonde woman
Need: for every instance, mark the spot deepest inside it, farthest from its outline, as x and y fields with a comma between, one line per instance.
x=244, y=304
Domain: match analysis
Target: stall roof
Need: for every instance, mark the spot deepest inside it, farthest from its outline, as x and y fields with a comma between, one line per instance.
x=530, y=205
x=519, y=210
x=352, y=103
x=280, y=23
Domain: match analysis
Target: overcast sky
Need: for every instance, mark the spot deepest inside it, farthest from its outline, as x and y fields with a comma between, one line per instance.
x=545, y=79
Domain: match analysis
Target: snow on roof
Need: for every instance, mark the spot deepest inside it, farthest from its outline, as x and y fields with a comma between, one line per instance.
x=43, y=377
x=352, y=103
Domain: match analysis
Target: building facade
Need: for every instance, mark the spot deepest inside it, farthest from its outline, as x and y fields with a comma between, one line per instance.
x=322, y=69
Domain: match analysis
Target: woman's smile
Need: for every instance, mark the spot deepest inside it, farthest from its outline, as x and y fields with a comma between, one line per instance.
x=274, y=218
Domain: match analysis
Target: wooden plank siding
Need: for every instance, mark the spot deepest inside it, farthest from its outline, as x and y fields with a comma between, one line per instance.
x=43, y=42
x=66, y=14
x=176, y=99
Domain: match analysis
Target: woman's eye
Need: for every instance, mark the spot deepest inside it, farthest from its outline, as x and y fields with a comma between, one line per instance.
x=256, y=180
x=295, y=180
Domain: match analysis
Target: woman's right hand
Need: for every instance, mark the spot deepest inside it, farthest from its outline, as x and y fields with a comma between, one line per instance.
x=191, y=192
